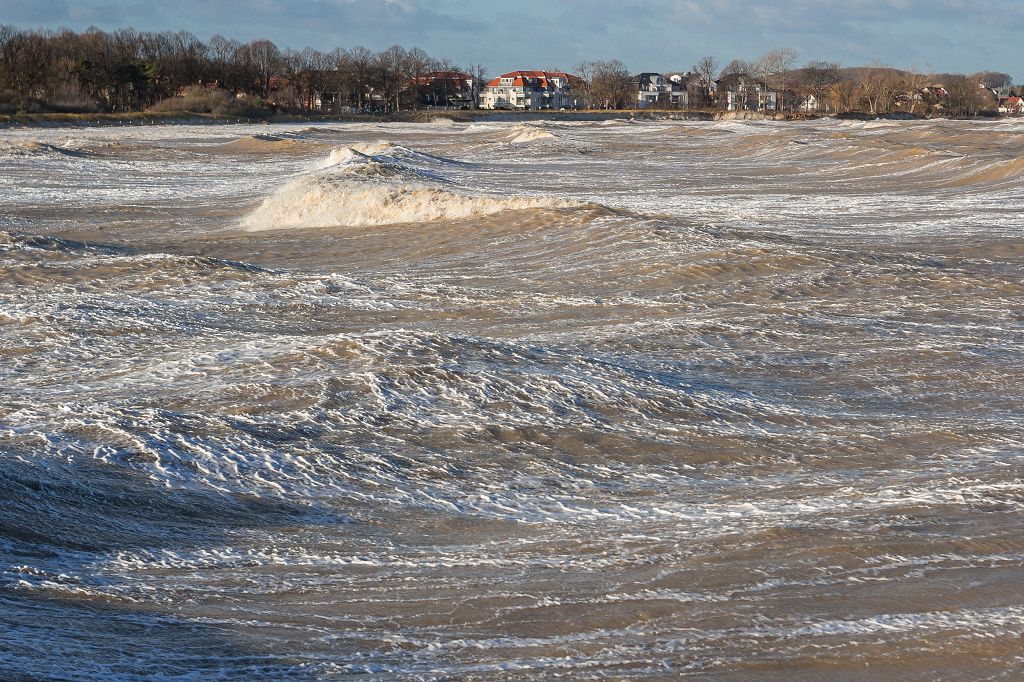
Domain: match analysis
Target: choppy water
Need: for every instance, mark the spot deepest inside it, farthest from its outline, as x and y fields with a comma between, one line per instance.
x=613, y=400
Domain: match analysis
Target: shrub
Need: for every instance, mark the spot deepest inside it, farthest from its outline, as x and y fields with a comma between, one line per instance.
x=199, y=100
x=242, y=107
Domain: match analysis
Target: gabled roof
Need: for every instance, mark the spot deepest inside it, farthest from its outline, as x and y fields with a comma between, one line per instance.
x=543, y=75
x=645, y=78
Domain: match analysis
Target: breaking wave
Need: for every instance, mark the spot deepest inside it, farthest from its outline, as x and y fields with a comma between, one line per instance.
x=380, y=184
x=35, y=148
x=382, y=152
x=264, y=143
x=524, y=133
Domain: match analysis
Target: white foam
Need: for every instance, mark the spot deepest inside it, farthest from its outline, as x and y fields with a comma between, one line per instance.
x=379, y=184
x=523, y=134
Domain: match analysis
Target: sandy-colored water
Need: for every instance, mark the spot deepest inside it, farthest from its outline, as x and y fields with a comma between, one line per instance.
x=630, y=400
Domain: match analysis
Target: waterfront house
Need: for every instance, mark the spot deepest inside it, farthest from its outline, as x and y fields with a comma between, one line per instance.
x=446, y=89
x=532, y=90
x=743, y=92
x=1011, y=106
x=654, y=90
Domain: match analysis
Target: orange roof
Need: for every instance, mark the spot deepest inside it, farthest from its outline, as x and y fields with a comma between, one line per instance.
x=544, y=75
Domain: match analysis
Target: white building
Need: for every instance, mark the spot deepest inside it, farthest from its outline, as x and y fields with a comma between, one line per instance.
x=531, y=90
x=809, y=103
x=654, y=90
x=1011, y=106
x=745, y=93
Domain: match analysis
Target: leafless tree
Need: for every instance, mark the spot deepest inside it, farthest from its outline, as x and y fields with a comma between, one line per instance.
x=993, y=79
x=418, y=63
x=706, y=68
x=878, y=88
x=391, y=74
x=360, y=63
x=479, y=74
x=221, y=53
x=965, y=96
x=264, y=61
x=737, y=67
x=844, y=94
x=585, y=70
x=775, y=65
x=819, y=77
x=911, y=90
x=610, y=84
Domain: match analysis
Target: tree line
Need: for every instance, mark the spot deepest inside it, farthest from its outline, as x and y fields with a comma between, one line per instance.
x=816, y=86
x=129, y=70
x=877, y=89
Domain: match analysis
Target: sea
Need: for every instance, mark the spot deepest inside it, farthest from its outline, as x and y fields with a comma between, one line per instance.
x=533, y=400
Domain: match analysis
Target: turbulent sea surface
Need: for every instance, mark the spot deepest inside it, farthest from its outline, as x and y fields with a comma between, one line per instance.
x=497, y=401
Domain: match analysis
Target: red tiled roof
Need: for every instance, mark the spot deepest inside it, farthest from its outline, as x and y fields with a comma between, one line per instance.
x=544, y=75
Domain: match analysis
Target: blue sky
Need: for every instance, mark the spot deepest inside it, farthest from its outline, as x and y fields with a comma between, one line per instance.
x=932, y=35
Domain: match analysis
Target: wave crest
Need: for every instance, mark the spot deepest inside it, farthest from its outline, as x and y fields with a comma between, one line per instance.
x=37, y=148
x=523, y=133
x=379, y=184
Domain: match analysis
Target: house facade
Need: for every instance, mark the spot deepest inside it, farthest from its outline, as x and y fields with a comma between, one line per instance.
x=446, y=89
x=532, y=90
x=742, y=92
x=654, y=90
x=1011, y=106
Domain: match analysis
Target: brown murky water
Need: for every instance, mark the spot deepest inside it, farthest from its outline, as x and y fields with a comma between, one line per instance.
x=593, y=400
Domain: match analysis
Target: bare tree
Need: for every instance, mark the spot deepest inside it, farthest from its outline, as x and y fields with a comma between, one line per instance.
x=911, y=92
x=221, y=54
x=878, y=87
x=783, y=60
x=321, y=76
x=737, y=67
x=585, y=70
x=264, y=61
x=360, y=63
x=706, y=68
x=994, y=79
x=479, y=74
x=775, y=65
x=818, y=79
x=391, y=71
x=844, y=94
x=965, y=96
x=418, y=64
x=610, y=84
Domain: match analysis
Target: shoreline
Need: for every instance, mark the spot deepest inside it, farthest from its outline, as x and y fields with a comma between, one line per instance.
x=142, y=118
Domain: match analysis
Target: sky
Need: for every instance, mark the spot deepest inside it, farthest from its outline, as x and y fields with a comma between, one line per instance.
x=647, y=35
